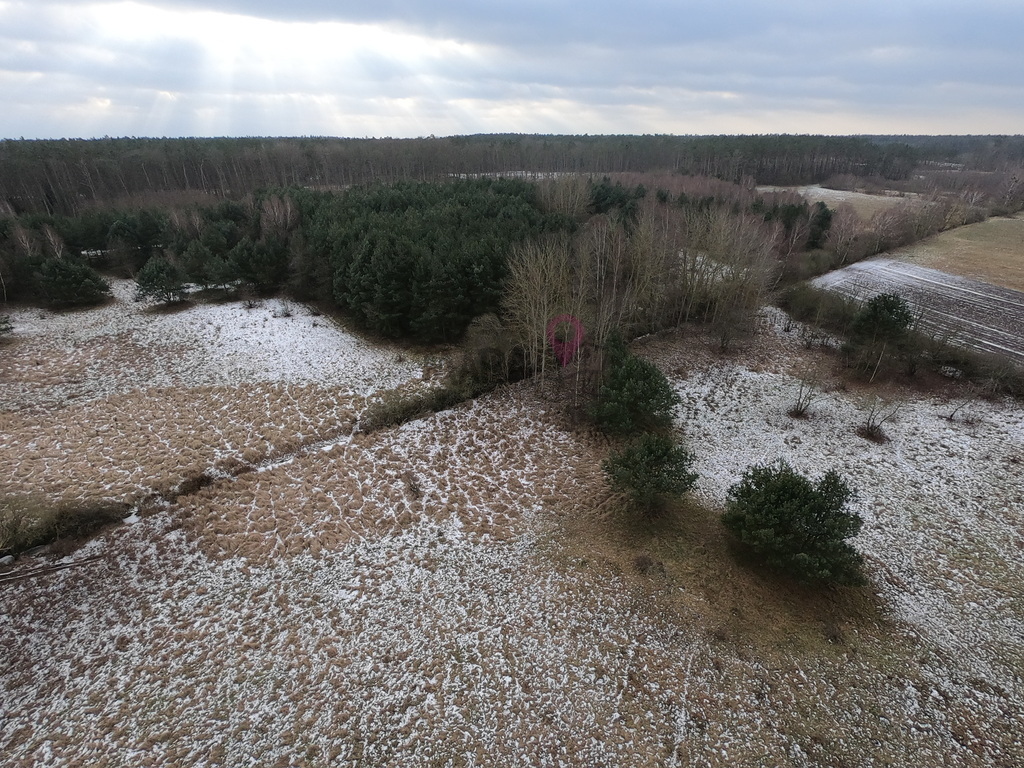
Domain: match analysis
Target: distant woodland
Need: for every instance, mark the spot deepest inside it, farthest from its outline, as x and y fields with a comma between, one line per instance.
x=64, y=177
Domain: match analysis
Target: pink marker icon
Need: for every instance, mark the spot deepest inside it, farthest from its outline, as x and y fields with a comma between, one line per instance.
x=565, y=350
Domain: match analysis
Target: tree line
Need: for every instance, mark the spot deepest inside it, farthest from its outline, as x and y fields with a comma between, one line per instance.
x=64, y=177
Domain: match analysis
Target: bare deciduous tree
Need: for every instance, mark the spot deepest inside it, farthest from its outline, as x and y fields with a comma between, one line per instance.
x=537, y=289
x=844, y=233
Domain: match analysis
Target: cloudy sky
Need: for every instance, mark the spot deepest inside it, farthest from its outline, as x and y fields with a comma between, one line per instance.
x=78, y=68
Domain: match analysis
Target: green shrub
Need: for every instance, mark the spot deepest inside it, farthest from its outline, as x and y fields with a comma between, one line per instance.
x=651, y=469
x=881, y=334
x=64, y=282
x=396, y=407
x=160, y=280
x=635, y=395
x=886, y=317
x=795, y=525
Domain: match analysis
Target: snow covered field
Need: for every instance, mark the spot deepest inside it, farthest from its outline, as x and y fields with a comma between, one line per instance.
x=979, y=315
x=460, y=592
x=125, y=346
x=866, y=205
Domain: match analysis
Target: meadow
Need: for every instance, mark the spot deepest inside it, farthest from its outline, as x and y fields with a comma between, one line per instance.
x=991, y=251
x=465, y=589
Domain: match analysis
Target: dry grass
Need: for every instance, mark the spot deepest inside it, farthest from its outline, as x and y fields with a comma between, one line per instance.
x=991, y=251
x=490, y=468
x=49, y=374
x=127, y=447
x=463, y=590
x=822, y=669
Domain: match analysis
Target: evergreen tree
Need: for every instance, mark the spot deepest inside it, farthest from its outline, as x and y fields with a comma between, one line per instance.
x=160, y=280
x=651, y=469
x=64, y=282
x=635, y=396
x=795, y=525
x=264, y=264
x=885, y=318
x=821, y=223
x=881, y=331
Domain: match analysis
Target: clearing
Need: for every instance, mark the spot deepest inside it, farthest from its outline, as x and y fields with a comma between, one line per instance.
x=463, y=590
x=864, y=204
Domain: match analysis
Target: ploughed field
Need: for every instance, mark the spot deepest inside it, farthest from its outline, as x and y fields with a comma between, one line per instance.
x=979, y=315
x=464, y=590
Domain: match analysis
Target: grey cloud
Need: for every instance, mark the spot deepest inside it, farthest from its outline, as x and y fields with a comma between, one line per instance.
x=622, y=24
x=861, y=56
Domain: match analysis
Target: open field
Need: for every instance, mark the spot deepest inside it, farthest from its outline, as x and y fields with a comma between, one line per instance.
x=864, y=204
x=464, y=591
x=991, y=251
x=974, y=314
x=125, y=346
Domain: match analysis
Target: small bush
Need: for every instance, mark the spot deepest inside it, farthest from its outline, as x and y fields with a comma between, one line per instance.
x=6, y=326
x=879, y=413
x=396, y=408
x=886, y=317
x=805, y=395
x=651, y=469
x=820, y=307
x=795, y=525
x=26, y=521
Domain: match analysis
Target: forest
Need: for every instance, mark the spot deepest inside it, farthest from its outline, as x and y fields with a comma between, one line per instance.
x=417, y=239
x=67, y=176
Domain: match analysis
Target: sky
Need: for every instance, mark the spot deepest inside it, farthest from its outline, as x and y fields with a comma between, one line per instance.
x=404, y=68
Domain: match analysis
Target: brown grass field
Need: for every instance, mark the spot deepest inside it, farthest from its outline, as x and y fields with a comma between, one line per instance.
x=991, y=251
x=465, y=590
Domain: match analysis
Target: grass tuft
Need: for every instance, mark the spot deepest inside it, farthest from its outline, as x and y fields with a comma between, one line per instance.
x=28, y=521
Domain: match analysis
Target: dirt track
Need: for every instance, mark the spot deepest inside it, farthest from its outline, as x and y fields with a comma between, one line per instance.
x=971, y=313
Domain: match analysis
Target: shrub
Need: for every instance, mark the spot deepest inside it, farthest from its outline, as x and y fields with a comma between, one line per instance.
x=635, y=396
x=67, y=283
x=885, y=317
x=805, y=395
x=27, y=521
x=396, y=407
x=879, y=412
x=6, y=326
x=795, y=525
x=881, y=332
x=820, y=307
x=650, y=469
x=160, y=280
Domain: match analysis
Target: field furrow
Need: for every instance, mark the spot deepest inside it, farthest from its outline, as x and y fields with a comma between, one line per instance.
x=984, y=317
